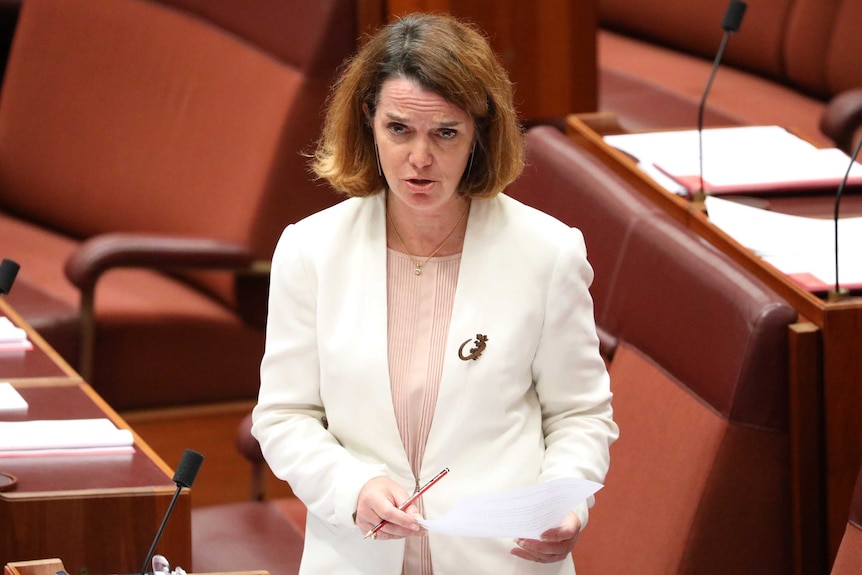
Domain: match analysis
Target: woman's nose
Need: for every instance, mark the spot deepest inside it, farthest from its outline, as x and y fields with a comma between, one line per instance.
x=420, y=154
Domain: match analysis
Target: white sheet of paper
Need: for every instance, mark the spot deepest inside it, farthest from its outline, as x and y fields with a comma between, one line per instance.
x=526, y=512
x=10, y=333
x=794, y=244
x=10, y=400
x=37, y=436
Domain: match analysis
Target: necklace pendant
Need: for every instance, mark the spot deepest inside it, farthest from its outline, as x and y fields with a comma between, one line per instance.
x=418, y=269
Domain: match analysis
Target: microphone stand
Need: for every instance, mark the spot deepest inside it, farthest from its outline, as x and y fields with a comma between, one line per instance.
x=730, y=24
x=152, y=550
x=184, y=476
x=838, y=292
x=700, y=195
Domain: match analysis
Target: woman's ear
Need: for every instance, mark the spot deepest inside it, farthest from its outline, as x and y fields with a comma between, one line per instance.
x=368, y=117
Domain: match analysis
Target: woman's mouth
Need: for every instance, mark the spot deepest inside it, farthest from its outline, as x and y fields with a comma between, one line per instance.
x=420, y=183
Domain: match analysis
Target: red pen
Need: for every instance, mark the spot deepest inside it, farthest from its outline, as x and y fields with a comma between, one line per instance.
x=409, y=501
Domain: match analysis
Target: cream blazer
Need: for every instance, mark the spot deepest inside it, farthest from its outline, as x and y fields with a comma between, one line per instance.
x=536, y=405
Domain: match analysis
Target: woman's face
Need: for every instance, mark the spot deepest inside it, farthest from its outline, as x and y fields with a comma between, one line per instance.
x=424, y=144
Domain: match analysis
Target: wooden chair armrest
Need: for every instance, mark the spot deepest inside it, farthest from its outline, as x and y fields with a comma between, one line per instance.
x=101, y=253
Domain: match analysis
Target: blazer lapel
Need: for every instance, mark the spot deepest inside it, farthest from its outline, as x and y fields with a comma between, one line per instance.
x=474, y=278
x=374, y=303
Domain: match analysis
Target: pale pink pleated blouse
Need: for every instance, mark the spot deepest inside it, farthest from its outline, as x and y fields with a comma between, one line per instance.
x=420, y=308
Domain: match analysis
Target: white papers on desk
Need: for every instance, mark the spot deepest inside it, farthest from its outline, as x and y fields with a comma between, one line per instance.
x=527, y=512
x=803, y=248
x=12, y=338
x=10, y=400
x=63, y=437
x=749, y=159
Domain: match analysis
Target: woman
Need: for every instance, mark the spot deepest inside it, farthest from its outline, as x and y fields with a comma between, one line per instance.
x=428, y=321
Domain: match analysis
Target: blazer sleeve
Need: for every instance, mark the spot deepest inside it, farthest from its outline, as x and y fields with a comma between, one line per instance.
x=571, y=379
x=288, y=419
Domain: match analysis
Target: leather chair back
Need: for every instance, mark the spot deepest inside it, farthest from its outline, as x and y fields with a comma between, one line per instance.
x=132, y=115
x=699, y=481
x=175, y=118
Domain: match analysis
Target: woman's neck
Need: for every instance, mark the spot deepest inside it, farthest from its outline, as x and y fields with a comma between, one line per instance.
x=423, y=234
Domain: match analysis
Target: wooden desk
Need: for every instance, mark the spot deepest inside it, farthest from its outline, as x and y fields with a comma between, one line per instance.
x=52, y=566
x=826, y=363
x=100, y=513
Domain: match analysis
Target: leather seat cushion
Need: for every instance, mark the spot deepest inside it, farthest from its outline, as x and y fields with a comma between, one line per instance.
x=246, y=536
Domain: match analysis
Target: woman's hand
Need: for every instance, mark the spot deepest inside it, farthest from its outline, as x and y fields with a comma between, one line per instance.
x=555, y=544
x=379, y=499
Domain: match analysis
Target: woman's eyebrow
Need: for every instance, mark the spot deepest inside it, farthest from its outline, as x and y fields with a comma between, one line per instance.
x=395, y=117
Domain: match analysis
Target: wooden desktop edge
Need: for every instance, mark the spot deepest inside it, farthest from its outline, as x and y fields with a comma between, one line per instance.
x=53, y=566
x=36, y=567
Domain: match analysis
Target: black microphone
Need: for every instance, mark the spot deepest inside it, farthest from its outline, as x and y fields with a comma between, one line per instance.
x=733, y=16
x=838, y=293
x=8, y=272
x=730, y=24
x=187, y=470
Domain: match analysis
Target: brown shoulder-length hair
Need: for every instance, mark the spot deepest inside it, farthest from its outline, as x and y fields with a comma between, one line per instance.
x=446, y=56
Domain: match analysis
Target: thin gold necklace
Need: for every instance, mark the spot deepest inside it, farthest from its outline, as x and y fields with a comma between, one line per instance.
x=418, y=264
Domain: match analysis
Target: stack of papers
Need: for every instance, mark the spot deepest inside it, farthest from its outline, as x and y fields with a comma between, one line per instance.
x=12, y=338
x=802, y=248
x=10, y=400
x=63, y=437
x=750, y=159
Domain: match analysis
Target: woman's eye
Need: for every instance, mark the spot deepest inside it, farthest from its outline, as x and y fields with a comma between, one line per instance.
x=397, y=128
x=448, y=133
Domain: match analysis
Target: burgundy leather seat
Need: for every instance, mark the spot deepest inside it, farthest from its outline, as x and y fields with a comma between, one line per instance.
x=255, y=534
x=150, y=155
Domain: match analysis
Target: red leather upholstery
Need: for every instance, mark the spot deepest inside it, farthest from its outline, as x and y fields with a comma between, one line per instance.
x=855, y=516
x=173, y=143
x=257, y=534
x=848, y=561
x=606, y=220
x=310, y=36
x=788, y=59
x=247, y=536
x=700, y=478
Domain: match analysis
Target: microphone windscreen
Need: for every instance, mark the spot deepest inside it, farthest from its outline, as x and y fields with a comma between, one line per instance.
x=733, y=16
x=188, y=468
x=8, y=271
